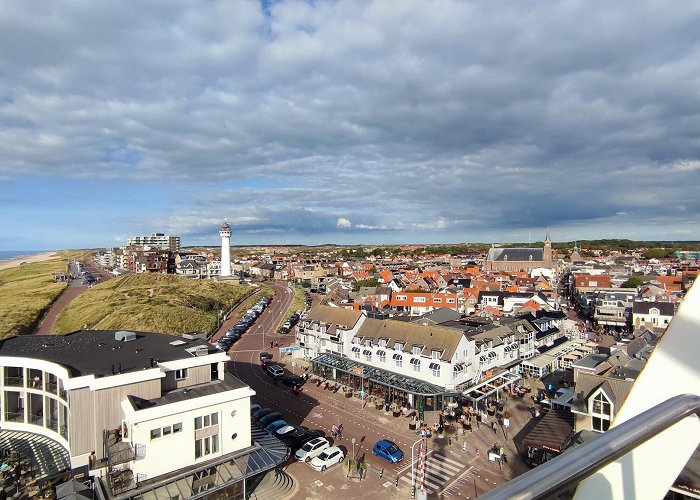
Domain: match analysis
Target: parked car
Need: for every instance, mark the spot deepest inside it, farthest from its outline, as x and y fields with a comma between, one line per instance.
x=329, y=456
x=275, y=371
x=254, y=407
x=264, y=355
x=257, y=415
x=283, y=329
x=277, y=424
x=269, y=418
x=292, y=380
x=312, y=449
x=283, y=431
x=388, y=450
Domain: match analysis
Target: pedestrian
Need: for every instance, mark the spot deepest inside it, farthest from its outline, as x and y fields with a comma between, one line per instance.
x=477, y=453
x=494, y=427
x=334, y=431
x=271, y=344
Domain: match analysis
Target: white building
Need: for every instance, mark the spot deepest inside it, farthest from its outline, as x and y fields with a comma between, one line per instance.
x=156, y=240
x=130, y=409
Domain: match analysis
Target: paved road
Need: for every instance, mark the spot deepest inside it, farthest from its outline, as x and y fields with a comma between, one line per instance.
x=75, y=288
x=447, y=465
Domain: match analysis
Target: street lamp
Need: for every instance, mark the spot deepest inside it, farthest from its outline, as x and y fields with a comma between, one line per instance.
x=353, y=447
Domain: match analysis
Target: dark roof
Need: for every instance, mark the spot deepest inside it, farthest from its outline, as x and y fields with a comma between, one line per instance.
x=96, y=352
x=439, y=316
x=643, y=307
x=516, y=254
x=552, y=432
x=556, y=342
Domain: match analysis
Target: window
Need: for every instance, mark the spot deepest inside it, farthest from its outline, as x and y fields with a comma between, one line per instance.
x=419, y=300
x=435, y=369
x=382, y=342
x=206, y=446
x=600, y=424
x=415, y=362
x=368, y=354
x=155, y=433
x=167, y=430
x=416, y=349
x=398, y=346
x=177, y=427
x=436, y=354
x=398, y=360
x=437, y=300
x=382, y=356
x=450, y=301
x=206, y=421
x=181, y=374
x=401, y=297
x=601, y=405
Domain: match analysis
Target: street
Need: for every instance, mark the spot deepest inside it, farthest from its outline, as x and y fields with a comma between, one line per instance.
x=448, y=466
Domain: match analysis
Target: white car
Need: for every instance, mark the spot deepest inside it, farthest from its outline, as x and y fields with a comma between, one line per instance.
x=312, y=449
x=329, y=456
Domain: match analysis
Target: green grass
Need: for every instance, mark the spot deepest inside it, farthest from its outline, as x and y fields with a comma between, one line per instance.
x=298, y=304
x=149, y=302
x=27, y=292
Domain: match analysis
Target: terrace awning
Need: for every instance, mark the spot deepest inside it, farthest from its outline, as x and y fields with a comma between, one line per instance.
x=379, y=376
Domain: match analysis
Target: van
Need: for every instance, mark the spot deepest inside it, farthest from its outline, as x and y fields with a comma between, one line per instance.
x=275, y=371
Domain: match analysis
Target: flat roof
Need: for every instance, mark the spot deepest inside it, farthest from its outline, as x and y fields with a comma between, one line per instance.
x=96, y=352
x=216, y=386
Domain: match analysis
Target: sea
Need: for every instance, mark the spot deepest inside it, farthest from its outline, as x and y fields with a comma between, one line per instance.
x=13, y=254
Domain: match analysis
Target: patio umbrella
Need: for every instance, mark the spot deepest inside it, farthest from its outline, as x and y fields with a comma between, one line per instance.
x=69, y=488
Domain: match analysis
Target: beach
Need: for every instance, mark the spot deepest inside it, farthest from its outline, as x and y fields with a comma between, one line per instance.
x=16, y=261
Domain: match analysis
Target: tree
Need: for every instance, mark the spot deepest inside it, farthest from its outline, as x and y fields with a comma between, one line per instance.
x=633, y=282
x=365, y=282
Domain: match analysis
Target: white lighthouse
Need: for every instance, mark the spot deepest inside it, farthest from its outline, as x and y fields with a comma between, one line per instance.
x=225, y=233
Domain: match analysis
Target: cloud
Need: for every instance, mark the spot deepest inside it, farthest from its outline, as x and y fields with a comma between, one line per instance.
x=417, y=122
x=343, y=222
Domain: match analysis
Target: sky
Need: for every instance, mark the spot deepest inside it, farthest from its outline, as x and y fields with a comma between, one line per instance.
x=348, y=122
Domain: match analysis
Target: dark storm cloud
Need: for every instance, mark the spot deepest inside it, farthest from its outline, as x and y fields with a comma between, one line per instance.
x=421, y=120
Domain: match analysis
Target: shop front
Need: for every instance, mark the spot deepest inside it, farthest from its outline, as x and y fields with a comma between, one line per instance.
x=381, y=387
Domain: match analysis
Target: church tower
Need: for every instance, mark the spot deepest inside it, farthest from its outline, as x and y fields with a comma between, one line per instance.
x=547, y=253
x=225, y=233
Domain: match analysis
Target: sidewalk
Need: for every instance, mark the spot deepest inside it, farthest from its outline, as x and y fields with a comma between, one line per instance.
x=451, y=442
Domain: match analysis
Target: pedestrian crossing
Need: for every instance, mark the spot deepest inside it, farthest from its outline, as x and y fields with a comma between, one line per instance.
x=440, y=470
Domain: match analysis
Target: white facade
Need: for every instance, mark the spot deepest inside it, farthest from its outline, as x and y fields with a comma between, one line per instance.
x=422, y=365
x=200, y=430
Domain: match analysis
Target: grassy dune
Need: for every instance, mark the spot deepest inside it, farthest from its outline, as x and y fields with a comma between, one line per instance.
x=27, y=292
x=149, y=302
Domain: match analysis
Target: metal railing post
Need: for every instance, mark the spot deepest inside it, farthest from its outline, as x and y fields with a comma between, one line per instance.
x=570, y=468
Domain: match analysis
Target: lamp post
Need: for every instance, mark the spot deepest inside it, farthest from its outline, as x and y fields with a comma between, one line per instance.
x=353, y=447
x=413, y=464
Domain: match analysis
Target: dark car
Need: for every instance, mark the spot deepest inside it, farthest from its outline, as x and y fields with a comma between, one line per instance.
x=269, y=418
x=260, y=414
x=265, y=355
x=292, y=380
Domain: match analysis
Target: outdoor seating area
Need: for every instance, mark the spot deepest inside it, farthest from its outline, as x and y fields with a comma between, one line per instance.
x=19, y=479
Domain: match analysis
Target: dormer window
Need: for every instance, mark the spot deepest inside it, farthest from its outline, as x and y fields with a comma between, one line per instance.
x=416, y=349
x=435, y=354
x=368, y=342
x=382, y=342
x=398, y=346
